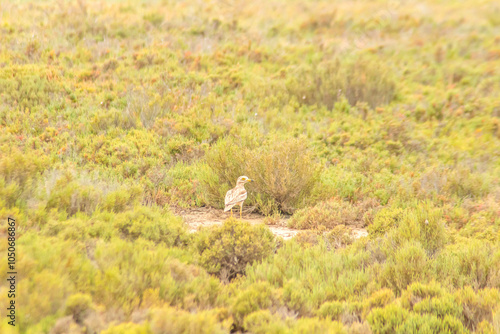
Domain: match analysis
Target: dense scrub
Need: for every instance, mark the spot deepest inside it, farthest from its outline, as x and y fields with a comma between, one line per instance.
x=368, y=114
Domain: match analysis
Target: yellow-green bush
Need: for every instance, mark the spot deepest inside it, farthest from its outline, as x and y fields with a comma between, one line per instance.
x=384, y=220
x=78, y=305
x=340, y=236
x=416, y=323
x=71, y=193
x=149, y=271
x=387, y=319
x=407, y=265
x=258, y=296
x=226, y=250
x=474, y=264
x=379, y=298
x=343, y=118
x=159, y=226
x=128, y=328
x=263, y=322
x=284, y=173
x=359, y=80
x=477, y=306
x=328, y=214
x=18, y=175
x=170, y=320
x=331, y=310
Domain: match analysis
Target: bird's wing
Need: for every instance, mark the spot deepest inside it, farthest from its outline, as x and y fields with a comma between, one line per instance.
x=235, y=195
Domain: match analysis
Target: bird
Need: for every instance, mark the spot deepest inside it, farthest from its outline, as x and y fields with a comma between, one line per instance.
x=237, y=195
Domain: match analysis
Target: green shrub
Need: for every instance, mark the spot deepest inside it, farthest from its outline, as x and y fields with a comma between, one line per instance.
x=128, y=328
x=72, y=197
x=133, y=273
x=71, y=193
x=263, y=322
x=423, y=223
x=331, y=310
x=317, y=326
x=407, y=265
x=295, y=298
x=18, y=174
x=379, y=298
x=440, y=307
x=284, y=173
x=387, y=319
x=430, y=324
x=328, y=214
x=474, y=263
x=78, y=305
x=417, y=292
x=170, y=320
x=259, y=296
x=384, y=220
x=477, y=306
x=226, y=250
x=27, y=87
x=340, y=236
x=152, y=224
x=360, y=80
x=460, y=182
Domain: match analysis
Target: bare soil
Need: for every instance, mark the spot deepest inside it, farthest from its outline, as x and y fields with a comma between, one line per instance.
x=205, y=217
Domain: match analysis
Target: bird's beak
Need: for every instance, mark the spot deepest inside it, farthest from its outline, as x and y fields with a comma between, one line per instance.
x=250, y=180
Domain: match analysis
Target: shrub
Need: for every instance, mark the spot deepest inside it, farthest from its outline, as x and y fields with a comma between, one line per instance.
x=477, y=306
x=259, y=296
x=78, y=305
x=308, y=238
x=439, y=307
x=328, y=214
x=226, y=250
x=263, y=322
x=152, y=224
x=16, y=166
x=284, y=173
x=27, y=87
x=71, y=193
x=360, y=80
x=340, y=236
x=295, y=298
x=317, y=326
x=128, y=328
x=331, y=310
x=18, y=174
x=417, y=292
x=460, y=182
x=387, y=319
x=170, y=320
x=379, y=298
x=423, y=223
x=71, y=197
x=141, y=272
x=475, y=263
x=384, y=220
x=407, y=265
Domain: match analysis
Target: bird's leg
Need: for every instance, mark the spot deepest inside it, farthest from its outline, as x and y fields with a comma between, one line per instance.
x=241, y=208
x=231, y=212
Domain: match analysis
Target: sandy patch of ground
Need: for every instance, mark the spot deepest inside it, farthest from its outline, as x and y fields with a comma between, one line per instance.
x=204, y=217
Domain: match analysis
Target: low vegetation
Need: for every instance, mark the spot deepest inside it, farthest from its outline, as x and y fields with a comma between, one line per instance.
x=371, y=114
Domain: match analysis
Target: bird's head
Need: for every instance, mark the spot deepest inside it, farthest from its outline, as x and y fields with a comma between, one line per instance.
x=243, y=180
